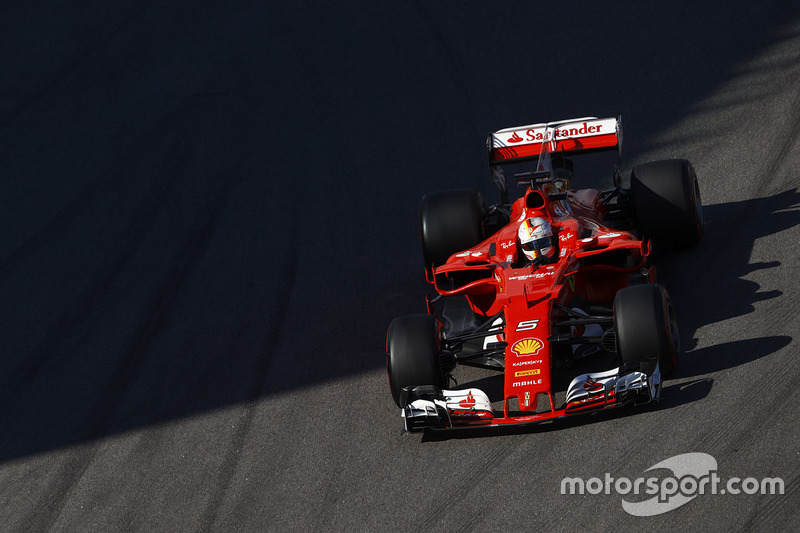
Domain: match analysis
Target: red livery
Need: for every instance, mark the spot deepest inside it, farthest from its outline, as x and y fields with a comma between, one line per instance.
x=555, y=285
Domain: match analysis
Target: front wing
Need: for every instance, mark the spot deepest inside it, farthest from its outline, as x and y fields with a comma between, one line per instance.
x=434, y=408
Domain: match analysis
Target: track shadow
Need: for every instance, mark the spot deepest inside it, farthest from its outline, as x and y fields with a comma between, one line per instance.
x=729, y=355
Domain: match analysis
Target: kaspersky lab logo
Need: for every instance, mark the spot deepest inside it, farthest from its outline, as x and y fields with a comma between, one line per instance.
x=693, y=475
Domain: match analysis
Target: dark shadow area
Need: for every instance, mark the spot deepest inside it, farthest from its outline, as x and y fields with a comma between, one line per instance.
x=729, y=355
x=207, y=205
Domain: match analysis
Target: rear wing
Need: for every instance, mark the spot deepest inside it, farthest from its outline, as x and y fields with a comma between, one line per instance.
x=588, y=134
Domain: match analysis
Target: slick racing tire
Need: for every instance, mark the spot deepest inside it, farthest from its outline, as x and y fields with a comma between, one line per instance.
x=666, y=202
x=412, y=353
x=450, y=222
x=644, y=320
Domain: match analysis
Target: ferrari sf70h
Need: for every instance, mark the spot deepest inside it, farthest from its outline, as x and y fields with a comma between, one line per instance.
x=579, y=293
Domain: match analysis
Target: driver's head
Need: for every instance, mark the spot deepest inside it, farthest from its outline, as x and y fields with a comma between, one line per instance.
x=536, y=238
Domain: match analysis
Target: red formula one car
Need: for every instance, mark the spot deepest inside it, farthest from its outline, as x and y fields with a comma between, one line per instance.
x=544, y=287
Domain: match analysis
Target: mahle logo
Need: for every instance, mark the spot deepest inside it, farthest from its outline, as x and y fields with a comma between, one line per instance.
x=693, y=475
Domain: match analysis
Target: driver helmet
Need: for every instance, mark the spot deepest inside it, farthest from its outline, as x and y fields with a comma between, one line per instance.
x=536, y=238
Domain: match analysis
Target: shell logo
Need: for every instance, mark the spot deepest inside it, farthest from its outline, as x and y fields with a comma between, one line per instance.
x=526, y=347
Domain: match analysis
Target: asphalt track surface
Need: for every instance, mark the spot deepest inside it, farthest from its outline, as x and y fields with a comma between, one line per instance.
x=209, y=219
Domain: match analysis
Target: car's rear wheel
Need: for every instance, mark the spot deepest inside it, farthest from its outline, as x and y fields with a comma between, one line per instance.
x=450, y=222
x=647, y=331
x=666, y=202
x=413, y=353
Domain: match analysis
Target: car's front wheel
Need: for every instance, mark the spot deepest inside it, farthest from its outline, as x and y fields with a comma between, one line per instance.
x=647, y=331
x=413, y=354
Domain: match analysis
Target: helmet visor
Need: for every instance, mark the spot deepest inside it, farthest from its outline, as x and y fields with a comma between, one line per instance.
x=536, y=244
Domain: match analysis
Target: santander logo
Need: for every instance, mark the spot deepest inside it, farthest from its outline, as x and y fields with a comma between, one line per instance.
x=469, y=401
x=593, y=386
x=515, y=138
